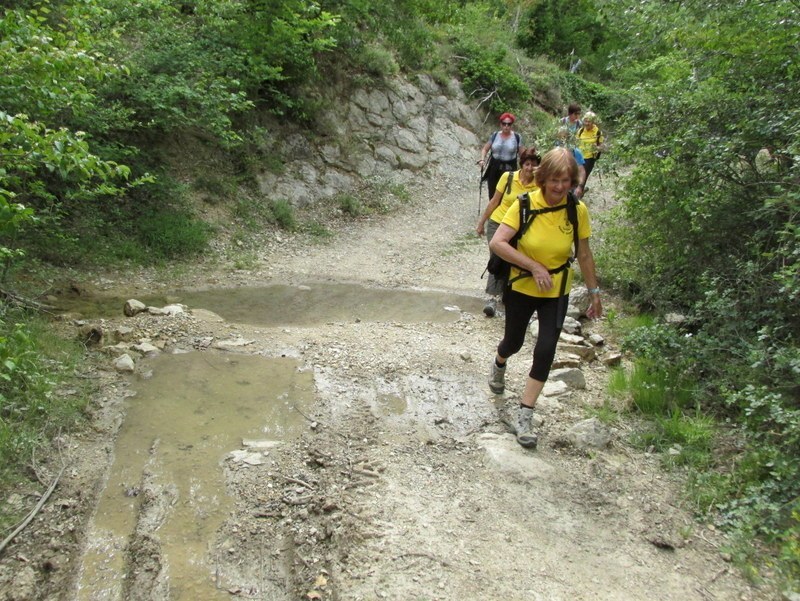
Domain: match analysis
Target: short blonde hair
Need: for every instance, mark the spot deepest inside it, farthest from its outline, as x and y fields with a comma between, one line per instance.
x=590, y=116
x=556, y=162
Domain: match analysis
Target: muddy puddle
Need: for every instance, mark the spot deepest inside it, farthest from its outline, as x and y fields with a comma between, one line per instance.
x=306, y=305
x=165, y=497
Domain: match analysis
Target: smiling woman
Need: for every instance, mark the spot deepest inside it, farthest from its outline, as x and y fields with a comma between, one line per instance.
x=541, y=276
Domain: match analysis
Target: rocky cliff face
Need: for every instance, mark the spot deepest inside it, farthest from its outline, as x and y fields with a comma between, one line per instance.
x=402, y=132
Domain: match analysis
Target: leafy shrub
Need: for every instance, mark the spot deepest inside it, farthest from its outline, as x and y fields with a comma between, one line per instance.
x=487, y=75
x=378, y=61
x=173, y=233
x=283, y=214
x=33, y=362
x=609, y=102
x=351, y=205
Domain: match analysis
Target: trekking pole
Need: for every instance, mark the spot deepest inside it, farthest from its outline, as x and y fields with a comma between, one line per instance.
x=480, y=191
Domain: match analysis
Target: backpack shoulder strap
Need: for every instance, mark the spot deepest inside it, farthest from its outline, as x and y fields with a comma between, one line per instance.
x=510, y=180
x=572, y=215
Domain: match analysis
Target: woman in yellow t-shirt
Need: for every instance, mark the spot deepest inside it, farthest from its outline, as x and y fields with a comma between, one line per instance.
x=521, y=181
x=542, y=255
x=591, y=143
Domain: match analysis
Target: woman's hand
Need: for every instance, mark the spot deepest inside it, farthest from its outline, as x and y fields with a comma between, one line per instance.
x=541, y=276
x=479, y=229
x=595, y=310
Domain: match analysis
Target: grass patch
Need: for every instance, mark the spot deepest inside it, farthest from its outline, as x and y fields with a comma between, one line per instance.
x=173, y=233
x=350, y=205
x=317, y=230
x=462, y=242
x=673, y=425
x=38, y=396
x=283, y=215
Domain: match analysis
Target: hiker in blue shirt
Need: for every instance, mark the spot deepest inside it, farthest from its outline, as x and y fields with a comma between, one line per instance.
x=573, y=119
x=563, y=139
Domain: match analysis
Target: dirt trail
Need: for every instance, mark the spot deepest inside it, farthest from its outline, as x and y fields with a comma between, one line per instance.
x=432, y=501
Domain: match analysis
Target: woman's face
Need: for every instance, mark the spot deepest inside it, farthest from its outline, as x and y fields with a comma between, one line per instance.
x=589, y=125
x=530, y=166
x=556, y=187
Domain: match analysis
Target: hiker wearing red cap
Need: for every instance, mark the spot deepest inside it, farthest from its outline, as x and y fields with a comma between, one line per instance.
x=502, y=151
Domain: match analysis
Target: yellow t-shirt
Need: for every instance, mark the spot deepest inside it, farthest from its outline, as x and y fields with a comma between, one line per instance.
x=547, y=240
x=588, y=141
x=517, y=188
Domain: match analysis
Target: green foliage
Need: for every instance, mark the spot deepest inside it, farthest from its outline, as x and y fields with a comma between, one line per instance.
x=34, y=362
x=566, y=31
x=50, y=62
x=173, y=233
x=283, y=214
x=486, y=74
x=609, y=102
x=654, y=391
x=351, y=205
x=317, y=230
x=709, y=226
x=378, y=61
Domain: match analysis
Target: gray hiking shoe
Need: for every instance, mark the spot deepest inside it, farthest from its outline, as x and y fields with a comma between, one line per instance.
x=526, y=437
x=497, y=379
x=490, y=308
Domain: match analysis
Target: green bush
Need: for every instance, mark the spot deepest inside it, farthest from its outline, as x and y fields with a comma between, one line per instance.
x=173, y=234
x=34, y=363
x=350, y=205
x=283, y=214
x=487, y=75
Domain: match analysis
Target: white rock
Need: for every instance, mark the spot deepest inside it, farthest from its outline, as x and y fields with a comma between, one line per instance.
x=571, y=338
x=260, y=444
x=572, y=325
x=124, y=364
x=133, y=307
x=146, y=348
x=554, y=388
x=229, y=344
x=590, y=433
x=571, y=376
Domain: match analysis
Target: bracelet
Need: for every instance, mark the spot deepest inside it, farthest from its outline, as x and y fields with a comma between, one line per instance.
x=594, y=290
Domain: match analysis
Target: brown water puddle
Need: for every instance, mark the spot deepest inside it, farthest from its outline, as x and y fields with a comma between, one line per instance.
x=179, y=428
x=305, y=305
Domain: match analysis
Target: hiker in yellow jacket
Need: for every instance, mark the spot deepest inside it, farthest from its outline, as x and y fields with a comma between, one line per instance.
x=591, y=142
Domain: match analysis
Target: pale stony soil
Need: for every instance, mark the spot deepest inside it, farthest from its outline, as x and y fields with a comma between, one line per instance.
x=437, y=502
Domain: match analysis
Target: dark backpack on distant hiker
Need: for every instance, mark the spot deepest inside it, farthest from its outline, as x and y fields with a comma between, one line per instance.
x=501, y=269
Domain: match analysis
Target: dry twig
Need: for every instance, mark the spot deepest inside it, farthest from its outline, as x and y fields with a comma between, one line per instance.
x=35, y=510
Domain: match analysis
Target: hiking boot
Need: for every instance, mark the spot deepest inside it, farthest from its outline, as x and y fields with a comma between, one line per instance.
x=497, y=378
x=490, y=308
x=526, y=437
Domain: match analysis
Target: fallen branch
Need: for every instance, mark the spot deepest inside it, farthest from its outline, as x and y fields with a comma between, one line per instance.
x=27, y=303
x=427, y=556
x=35, y=510
x=296, y=481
